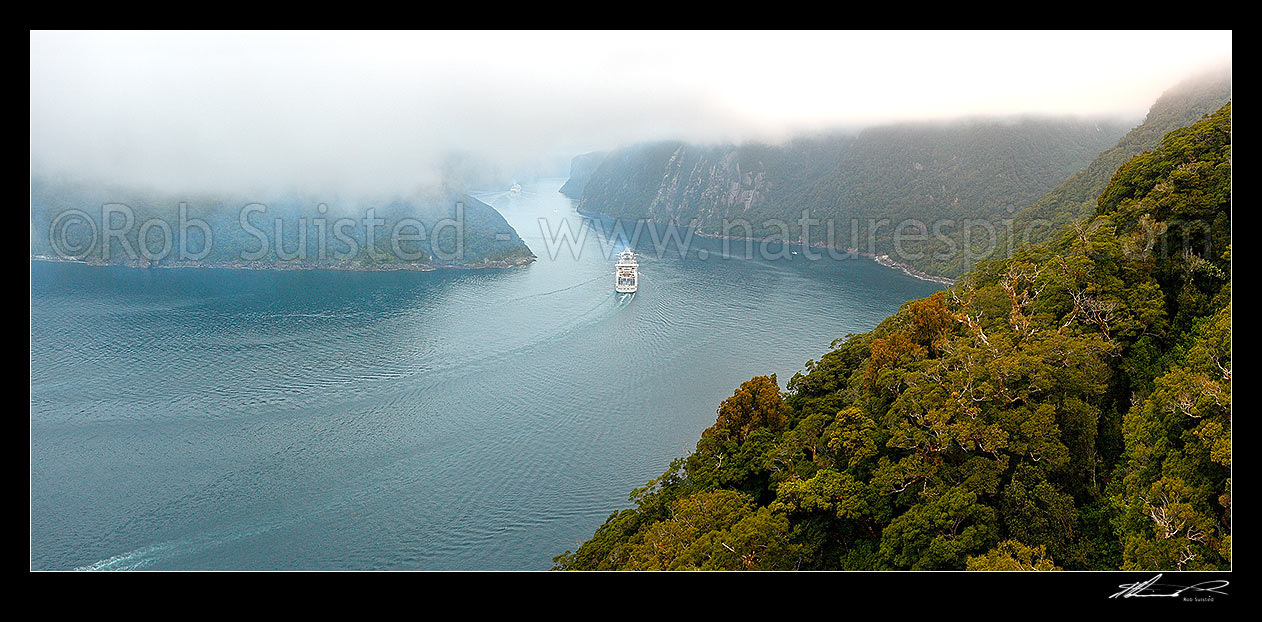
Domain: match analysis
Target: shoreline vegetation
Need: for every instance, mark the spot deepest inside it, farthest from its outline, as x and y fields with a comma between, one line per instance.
x=1068, y=407
x=340, y=266
x=422, y=226
x=883, y=260
x=1034, y=176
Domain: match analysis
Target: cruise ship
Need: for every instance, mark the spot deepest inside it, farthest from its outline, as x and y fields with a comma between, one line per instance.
x=628, y=273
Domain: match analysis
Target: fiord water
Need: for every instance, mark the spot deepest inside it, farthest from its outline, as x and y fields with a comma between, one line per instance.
x=478, y=419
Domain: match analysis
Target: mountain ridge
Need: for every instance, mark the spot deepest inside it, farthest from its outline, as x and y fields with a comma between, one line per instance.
x=431, y=228
x=1066, y=407
x=906, y=191
x=936, y=224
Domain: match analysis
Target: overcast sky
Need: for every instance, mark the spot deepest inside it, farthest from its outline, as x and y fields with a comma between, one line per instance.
x=202, y=109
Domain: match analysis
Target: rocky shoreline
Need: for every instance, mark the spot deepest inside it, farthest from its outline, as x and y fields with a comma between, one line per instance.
x=883, y=260
x=342, y=266
x=880, y=259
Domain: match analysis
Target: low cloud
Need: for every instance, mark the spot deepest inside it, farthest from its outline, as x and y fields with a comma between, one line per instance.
x=378, y=111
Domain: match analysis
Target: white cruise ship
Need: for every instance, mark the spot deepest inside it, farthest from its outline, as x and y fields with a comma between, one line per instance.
x=628, y=273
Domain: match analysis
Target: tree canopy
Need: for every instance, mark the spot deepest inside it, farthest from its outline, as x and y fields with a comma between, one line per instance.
x=1067, y=407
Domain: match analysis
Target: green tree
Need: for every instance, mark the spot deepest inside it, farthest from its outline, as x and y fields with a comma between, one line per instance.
x=1011, y=555
x=757, y=404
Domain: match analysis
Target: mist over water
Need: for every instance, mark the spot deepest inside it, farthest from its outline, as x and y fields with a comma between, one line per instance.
x=481, y=420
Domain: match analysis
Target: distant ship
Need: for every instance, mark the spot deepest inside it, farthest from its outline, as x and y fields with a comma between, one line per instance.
x=515, y=190
x=628, y=273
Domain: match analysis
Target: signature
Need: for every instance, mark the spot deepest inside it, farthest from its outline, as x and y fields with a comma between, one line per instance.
x=1151, y=588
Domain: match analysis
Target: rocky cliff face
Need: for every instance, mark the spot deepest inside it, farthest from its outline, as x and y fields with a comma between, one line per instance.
x=849, y=184
x=713, y=187
x=581, y=169
x=936, y=197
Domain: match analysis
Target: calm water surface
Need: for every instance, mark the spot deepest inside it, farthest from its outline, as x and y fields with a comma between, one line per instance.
x=221, y=419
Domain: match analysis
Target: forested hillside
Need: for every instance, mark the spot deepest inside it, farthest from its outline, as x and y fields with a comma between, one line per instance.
x=581, y=169
x=963, y=191
x=1065, y=408
x=931, y=178
x=291, y=230
x=1075, y=199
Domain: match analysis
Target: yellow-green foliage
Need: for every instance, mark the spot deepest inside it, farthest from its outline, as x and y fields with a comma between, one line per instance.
x=1067, y=407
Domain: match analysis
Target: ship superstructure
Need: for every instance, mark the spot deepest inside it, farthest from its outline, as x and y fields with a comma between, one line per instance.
x=627, y=272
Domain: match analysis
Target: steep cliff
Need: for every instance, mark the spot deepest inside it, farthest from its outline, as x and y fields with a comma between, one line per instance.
x=581, y=169
x=937, y=197
x=1067, y=407
x=853, y=191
